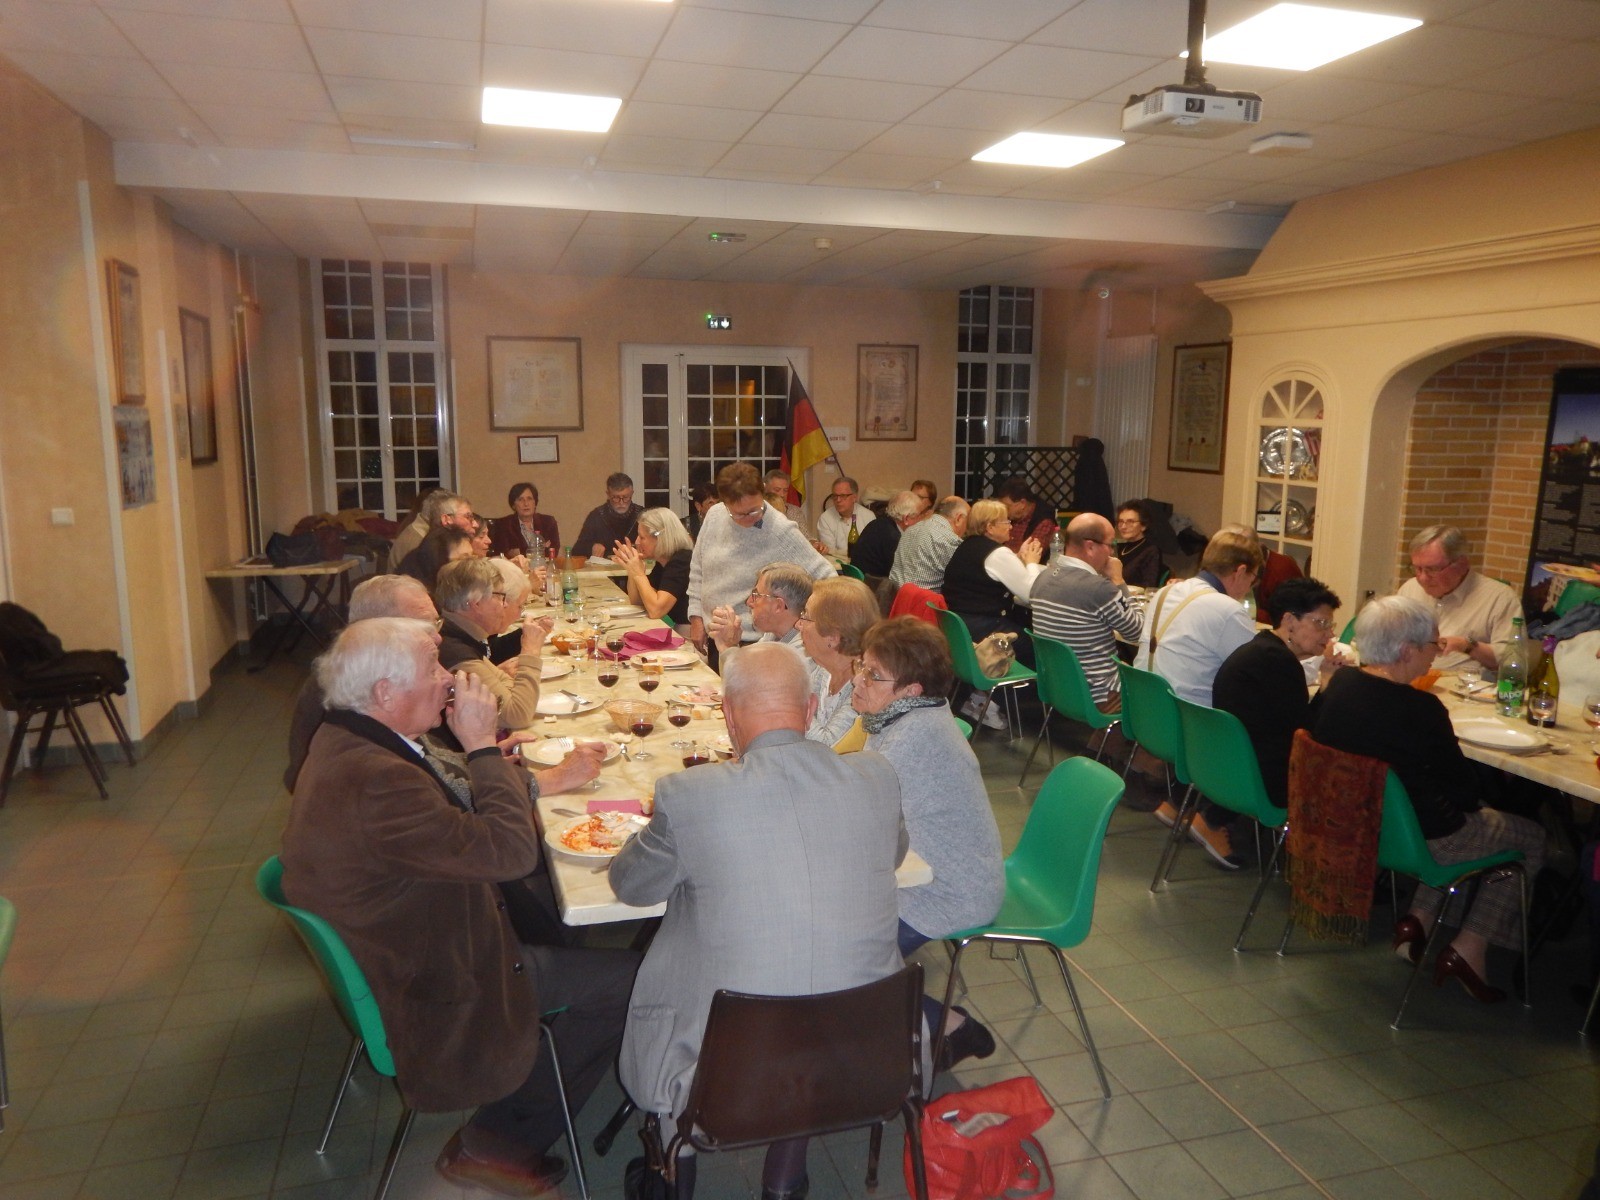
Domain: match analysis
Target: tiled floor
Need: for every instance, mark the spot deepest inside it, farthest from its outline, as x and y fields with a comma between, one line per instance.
x=168, y=1038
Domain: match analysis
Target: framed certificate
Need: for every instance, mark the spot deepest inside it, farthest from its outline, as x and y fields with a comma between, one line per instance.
x=1199, y=408
x=535, y=383
x=886, y=393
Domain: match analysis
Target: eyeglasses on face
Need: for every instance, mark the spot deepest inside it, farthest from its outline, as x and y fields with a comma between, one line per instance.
x=860, y=670
x=755, y=595
x=1322, y=623
x=1424, y=572
x=803, y=619
x=749, y=515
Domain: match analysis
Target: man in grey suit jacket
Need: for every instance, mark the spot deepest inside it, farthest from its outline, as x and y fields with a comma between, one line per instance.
x=778, y=873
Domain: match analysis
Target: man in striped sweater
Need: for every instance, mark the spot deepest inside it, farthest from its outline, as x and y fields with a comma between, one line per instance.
x=1081, y=600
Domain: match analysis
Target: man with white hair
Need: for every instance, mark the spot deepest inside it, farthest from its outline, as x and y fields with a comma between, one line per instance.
x=778, y=875
x=1474, y=612
x=378, y=846
x=478, y=599
x=776, y=603
x=925, y=548
x=874, y=552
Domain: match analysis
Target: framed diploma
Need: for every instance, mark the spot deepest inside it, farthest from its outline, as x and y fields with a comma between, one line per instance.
x=1199, y=408
x=535, y=383
x=886, y=393
x=127, y=335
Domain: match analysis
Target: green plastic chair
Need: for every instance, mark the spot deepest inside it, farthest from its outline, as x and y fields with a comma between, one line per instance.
x=1349, y=633
x=964, y=657
x=1064, y=689
x=1150, y=720
x=1050, y=881
x=1404, y=851
x=356, y=1005
x=8, y=927
x=966, y=730
x=853, y=571
x=1223, y=767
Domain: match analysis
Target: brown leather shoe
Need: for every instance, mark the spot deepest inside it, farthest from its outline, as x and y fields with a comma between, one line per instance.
x=505, y=1179
x=1451, y=965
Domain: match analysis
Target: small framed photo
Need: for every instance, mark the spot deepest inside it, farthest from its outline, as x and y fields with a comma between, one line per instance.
x=539, y=449
x=127, y=332
x=886, y=393
x=1199, y=408
x=198, y=385
x=535, y=383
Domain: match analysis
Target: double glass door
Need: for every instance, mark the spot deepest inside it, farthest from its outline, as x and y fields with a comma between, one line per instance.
x=689, y=411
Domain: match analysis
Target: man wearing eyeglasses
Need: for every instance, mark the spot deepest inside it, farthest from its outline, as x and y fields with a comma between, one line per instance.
x=843, y=521
x=1081, y=600
x=478, y=599
x=1474, y=612
x=1263, y=682
x=775, y=604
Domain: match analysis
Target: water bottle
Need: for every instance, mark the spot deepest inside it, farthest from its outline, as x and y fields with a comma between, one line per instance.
x=1056, y=544
x=552, y=582
x=1511, y=684
x=569, y=584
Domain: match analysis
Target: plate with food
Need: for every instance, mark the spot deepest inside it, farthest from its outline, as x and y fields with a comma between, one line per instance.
x=1568, y=571
x=559, y=704
x=672, y=660
x=551, y=751
x=707, y=696
x=1496, y=735
x=623, y=610
x=597, y=836
x=721, y=743
x=554, y=669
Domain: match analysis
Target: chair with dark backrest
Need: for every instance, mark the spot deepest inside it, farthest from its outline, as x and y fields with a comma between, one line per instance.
x=1051, y=880
x=8, y=926
x=359, y=1008
x=1402, y=849
x=1064, y=689
x=773, y=1068
x=964, y=657
x=55, y=701
x=1223, y=767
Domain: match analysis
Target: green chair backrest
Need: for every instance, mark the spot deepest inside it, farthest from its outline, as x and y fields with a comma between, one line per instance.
x=1150, y=717
x=966, y=730
x=853, y=571
x=1222, y=763
x=1064, y=686
x=1575, y=593
x=1349, y=631
x=1057, y=860
x=345, y=979
x=8, y=927
x=963, y=655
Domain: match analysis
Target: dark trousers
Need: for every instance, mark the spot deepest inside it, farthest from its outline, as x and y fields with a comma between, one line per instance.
x=593, y=987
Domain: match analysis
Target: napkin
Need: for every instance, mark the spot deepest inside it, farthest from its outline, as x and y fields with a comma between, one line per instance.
x=646, y=641
x=624, y=806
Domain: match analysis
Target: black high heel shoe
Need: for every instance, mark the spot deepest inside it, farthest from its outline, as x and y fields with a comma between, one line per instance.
x=1451, y=965
x=1409, y=938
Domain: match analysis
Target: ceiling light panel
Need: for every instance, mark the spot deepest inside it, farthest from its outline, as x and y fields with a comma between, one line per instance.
x=1300, y=37
x=1046, y=150
x=549, y=110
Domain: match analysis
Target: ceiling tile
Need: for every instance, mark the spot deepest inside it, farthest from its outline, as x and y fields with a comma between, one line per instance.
x=926, y=58
x=644, y=227
x=560, y=70
x=1087, y=118
x=736, y=39
x=644, y=118
x=455, y=19
x=138, y=119
x=237, y=125
x=168, y=37
x=1183, y=192
x=880, y=170
x=727, y=87
x=411, y=212
x=1432, y=150
x=834, y=96
x=1443, y=110
x=40, y=25
x=792, y=162
x=201, y=83
x=516, y=255
x=277, y=11
x=1564, y=20
x=988, y=179
x=364, y=55
x=93, y=73
x=820, y=10
x=541, y=147
x=1148, y=155
x=1559, y=72
x=413, y=129
x=1547, y=118
x=1342, y=141
x=1313, y=96
x=504, y=221
x=602, y=256
x=922, y=141
x=305, y=138
x=1053, y=71
x=1012, y=20
x=815, y=133
x=355, y=98
x=450, y=252
x=993, y=112
x=1073, y=186
x=678, y=156
x=1123, y=26
x=1436, y=56
x=627, y=28
x=220, y=217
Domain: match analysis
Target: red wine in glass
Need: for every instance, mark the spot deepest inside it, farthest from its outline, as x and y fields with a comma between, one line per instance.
x=641, y=727
x=614, y=645
x=649, y=683
x=678, y=718
x=608, y=678
x=694, y=760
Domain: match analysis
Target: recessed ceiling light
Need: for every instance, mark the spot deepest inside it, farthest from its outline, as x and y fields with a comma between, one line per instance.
x=1046, y=149
x=1298, y=37
x=549, y=110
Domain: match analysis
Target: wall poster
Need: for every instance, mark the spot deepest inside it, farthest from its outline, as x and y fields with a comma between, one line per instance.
x=1566, y=525
x=535, y=383
x=127, y=333
x=136, y=454
x=1199, y=408
x=886, y=393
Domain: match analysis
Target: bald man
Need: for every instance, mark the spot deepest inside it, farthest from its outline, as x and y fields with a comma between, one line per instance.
x=1082, y=601
x=778, y=875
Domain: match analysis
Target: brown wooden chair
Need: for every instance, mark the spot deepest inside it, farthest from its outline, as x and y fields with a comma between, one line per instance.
x=778, y=1067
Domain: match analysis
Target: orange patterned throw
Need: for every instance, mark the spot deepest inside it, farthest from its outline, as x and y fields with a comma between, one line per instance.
x=1335, y=812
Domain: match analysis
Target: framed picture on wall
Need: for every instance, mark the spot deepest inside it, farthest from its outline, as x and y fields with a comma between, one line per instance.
x=127, y=337
x=198, y=386
x=1199, y=408
x=886, y=393
x=539, y=449
x=535, y=383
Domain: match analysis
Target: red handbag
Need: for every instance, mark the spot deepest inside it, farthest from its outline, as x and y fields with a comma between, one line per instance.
x=979, y=1144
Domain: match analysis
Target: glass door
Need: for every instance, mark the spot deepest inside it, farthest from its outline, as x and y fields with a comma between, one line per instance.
x=689, y=411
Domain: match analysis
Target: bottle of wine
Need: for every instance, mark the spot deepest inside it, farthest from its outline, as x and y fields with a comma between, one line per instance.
x=1544, y=688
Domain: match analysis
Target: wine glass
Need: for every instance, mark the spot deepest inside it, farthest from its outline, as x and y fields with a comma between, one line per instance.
x=678, y=715
x=649, y=675
x=1541, y=709
x=641, y=728
x=1591, y=710
x=608, y=674
x=694, y=754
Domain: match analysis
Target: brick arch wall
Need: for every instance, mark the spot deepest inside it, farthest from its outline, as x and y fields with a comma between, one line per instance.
x=1474, y=447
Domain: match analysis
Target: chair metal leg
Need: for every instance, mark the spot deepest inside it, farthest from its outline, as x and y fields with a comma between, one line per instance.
x=566, y=1112
x=1255, y=901
x=604, y=1139
x=874, y=1149
x=390, y=1163
x=14, y=752
x=1527, y=958
x=1044, y=731
x=5, y=1084
x=1288, y=928
x=955, y=967
x=919, y=1168
x=43, y=744
x=350, y=1060
x=1027, y=973
x=109, y=706
x=1416, y=970
x=1175, y=836
x=1105, y=738
x=86, y=751
x=1083, y=1019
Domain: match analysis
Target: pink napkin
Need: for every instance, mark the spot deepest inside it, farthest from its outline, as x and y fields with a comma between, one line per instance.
x=626, y=806
x=647, y=641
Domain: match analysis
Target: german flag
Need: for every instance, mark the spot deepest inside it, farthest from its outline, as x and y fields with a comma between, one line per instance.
x=805, y=444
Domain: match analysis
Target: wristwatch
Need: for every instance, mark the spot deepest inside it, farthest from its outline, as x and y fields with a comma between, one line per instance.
x=1472, y=644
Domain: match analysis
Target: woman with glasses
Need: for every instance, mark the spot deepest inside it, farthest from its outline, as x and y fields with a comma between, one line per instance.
x=664, y=590
x=902, y=677
x=839, y=613
x=1141, y=557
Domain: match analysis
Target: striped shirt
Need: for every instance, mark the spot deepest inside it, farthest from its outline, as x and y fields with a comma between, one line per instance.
x=1075, y=604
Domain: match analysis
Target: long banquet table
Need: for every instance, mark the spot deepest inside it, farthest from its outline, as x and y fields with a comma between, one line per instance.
x=1569, y=766
x=584, y=889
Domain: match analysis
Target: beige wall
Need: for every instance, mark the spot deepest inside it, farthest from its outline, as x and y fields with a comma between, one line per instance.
x=1371, y=291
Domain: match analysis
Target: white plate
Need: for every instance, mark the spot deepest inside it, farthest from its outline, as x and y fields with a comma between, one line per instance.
x=623, y=610
x=721, y=743
x=672, y=660
x=551, y=751
x=1495, y=735
x=705, y=697
x=623, y=823
x=558, y=704
x=598, y=560
x=554, y=670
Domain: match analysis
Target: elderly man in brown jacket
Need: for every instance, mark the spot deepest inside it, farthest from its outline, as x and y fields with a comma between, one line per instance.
x=376, y=846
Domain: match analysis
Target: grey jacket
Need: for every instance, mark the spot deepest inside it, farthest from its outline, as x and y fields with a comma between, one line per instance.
x=778, y=873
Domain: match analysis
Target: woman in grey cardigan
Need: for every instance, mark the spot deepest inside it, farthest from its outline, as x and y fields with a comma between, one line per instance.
x=901, y=679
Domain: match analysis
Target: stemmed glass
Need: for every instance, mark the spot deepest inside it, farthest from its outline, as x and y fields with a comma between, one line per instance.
x=679, y=715
x=649, y=675
x=1591, y=711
